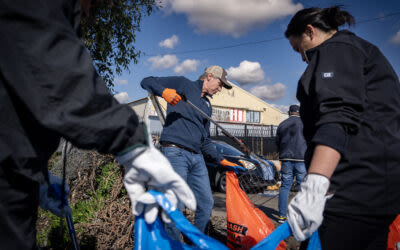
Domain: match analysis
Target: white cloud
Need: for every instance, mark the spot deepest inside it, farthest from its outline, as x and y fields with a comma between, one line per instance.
x=396, y=38
x=122, y=97
x=163, y=62
x=169, y=42
x=231, y=17
x=121, y=81
x=283, y=108
x=246, y=73
x=188, y=65
x=269, y=92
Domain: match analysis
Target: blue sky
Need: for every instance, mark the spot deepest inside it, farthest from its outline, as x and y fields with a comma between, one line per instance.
x=246, y=38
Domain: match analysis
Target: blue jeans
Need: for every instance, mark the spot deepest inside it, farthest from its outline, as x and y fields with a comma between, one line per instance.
x=192, y=168
x=288, y=168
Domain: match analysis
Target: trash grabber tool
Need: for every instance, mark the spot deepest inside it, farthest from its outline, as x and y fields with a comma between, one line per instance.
x=64, y=201
x=158, y=109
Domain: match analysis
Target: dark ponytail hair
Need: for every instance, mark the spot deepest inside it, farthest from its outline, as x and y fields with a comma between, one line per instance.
x=326, y=19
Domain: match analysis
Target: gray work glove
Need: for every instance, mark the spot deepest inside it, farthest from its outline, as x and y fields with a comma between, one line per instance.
x=146, y=167
x=305, y=211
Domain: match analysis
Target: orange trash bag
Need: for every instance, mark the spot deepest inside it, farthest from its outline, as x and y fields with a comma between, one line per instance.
x=246, y=224
x=394, y=234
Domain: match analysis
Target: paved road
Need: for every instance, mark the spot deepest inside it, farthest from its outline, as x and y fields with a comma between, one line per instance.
x=268, y=203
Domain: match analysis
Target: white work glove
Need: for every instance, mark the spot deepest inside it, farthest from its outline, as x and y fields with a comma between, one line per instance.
x=147, y=167
x=306, y=209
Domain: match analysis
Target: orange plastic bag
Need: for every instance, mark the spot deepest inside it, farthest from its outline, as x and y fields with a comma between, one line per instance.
x=246, y=224
x=394, y=234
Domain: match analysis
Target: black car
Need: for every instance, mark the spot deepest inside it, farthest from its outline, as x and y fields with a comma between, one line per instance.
x=257, y=177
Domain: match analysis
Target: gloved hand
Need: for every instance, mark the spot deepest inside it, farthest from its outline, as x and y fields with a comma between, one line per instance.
x=232, y=166
x=305, y=211
x=146, y=167
x=50, y=197
x=171, y=96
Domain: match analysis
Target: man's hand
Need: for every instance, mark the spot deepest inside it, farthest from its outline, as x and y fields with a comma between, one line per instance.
x=305, y=211
x=232, y=166
x=171, y=96
x=51, y=197
x=146, y=167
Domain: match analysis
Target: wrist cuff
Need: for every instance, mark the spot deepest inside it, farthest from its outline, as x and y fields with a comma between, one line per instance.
x=332, y=135
x=139, y=139
x=316, y=183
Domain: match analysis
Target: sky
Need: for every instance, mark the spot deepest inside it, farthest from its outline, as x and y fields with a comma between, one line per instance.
x=246, y=37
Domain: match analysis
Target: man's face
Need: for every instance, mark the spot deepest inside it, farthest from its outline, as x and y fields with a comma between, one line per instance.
x=213, y=86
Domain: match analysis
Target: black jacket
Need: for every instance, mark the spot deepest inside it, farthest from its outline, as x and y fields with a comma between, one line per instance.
x=350, y=101
x=50, y=89
x=290, y=140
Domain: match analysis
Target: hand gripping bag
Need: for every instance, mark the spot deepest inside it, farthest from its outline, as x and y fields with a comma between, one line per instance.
x=394, y=234
x=246, y=224
x=153, y=236
x=281, y=233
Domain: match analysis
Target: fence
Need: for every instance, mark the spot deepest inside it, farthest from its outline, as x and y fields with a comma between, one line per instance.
x=259, y=138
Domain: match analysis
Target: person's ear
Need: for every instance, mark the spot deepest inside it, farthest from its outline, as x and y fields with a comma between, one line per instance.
x=310, y=31
x=209, y=76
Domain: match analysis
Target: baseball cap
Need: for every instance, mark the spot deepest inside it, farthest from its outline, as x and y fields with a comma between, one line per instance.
x=220, y=73
x=294, y=108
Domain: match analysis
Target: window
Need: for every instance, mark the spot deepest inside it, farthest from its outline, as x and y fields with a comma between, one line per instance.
x=220, y=114
x=252, y=116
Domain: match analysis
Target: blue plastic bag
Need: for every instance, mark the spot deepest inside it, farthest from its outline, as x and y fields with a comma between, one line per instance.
x=281, y=233
x=153, y=236
x=50, y=197
x=268, y=171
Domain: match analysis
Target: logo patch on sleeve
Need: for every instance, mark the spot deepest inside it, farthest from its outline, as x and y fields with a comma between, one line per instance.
x=327, y=75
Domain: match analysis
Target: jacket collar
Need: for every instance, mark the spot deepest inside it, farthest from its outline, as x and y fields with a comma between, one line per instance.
x=338, y=36
x=199, y=84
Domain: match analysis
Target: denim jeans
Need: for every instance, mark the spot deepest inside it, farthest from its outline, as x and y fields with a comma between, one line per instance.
x=192, y=168
x=287, y=170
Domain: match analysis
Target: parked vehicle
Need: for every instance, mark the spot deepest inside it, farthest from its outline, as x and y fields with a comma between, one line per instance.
x=257, y=177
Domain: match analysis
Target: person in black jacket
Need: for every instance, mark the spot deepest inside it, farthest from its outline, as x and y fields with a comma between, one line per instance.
x=350, y=108
x=49, y=89
x=292, y=146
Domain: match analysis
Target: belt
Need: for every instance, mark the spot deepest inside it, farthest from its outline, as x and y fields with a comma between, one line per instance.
x=169, y=144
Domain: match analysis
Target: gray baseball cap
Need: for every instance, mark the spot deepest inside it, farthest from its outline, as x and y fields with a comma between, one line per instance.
x=220, y=73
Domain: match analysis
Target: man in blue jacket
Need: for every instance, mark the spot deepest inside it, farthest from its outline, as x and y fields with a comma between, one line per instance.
x=185, y=137
x=292, y=147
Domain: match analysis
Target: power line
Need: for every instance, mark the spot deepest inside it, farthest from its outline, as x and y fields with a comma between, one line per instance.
x=223, y=47
x=379, y=18
x=260, y=41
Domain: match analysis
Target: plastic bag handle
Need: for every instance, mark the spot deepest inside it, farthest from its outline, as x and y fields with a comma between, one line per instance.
x=281, y=233
x=199, y=239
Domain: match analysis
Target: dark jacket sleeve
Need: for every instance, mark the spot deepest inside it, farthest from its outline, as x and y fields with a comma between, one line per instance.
x=277, y=137
x=156, y=85
x=340, y=93
x=50, y=73
x=208, y=148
